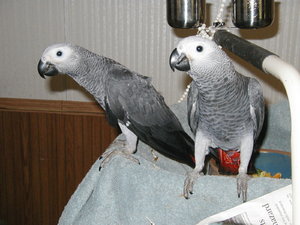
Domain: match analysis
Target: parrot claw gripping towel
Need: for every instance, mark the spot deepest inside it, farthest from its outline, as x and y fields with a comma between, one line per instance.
x=129, y=99
x=122, y=150
x=225, y=108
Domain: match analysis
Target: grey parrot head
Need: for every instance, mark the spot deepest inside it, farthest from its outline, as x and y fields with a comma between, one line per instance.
x=196, y=54
x=58, y=59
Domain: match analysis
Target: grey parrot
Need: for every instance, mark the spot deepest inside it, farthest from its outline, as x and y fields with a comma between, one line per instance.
x=129, y=99
x=225, y=108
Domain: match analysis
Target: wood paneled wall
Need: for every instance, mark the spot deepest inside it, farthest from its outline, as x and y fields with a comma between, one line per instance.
x=46, y=148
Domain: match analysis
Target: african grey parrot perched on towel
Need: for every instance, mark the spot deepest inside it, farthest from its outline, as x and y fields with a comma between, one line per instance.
x=225, y=108
x=128, y=98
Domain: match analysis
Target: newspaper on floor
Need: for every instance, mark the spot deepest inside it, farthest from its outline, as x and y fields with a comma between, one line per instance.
x=274, y=208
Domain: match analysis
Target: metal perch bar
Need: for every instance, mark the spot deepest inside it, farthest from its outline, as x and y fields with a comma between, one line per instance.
x=290, y=77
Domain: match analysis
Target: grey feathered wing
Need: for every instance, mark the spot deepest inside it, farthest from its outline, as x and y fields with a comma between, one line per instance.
x=133, y=100
x=192, y=107
x=257, y=102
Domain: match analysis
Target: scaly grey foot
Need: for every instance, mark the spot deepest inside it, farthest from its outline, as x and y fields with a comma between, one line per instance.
x=242, y=185
x=118, y=147
x=189, y=181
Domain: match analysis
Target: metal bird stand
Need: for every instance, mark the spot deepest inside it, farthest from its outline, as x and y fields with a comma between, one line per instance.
x=250, y=14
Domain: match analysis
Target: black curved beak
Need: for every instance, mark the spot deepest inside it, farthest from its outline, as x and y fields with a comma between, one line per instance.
x=179, y=62
x=46, y=69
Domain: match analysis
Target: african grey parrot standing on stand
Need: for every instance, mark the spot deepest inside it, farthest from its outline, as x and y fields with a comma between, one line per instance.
x=225, y=108
x=128, y=98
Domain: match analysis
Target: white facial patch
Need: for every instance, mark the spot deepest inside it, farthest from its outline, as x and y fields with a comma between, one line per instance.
x=197, y=49
x=57, y=54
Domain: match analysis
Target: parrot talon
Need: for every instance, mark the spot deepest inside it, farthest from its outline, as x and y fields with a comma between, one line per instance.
x=108, y=157
x=242, y=180
x=118, y=147
x=189, y=183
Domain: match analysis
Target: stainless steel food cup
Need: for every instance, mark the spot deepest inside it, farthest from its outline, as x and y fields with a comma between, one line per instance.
x=185, y=13
x=252, y=13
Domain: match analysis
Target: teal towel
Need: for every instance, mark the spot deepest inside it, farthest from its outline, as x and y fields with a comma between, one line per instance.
x=125, y=193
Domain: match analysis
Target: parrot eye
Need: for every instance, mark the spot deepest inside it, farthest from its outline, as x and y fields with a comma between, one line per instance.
x=59, y=53
x=199, y=48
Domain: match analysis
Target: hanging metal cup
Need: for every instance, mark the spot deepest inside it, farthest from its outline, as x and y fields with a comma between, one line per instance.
x=252, y=13
x=185, y=13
